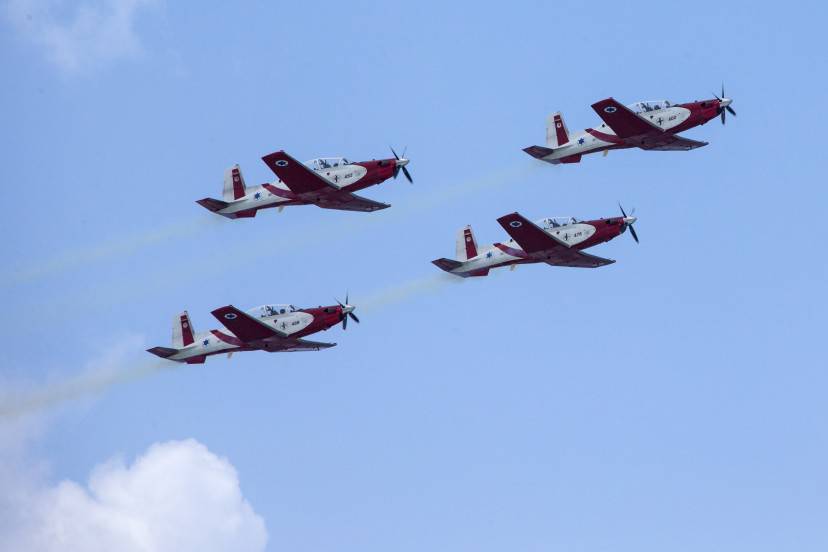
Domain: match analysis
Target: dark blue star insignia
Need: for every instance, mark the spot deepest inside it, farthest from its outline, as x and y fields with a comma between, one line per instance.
x=206, y=342
x=257, y=195
x=580, y=140
x=489, y=255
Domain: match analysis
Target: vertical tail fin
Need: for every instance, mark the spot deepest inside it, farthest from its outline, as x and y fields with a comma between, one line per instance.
x=466, y=244
x=182, y=334
x=233, y=184
x=556, y=132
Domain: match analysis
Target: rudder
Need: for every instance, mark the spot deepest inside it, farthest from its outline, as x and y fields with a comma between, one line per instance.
x=556, y=131
x=466, y=244
x=234, y=187
x=182, y=334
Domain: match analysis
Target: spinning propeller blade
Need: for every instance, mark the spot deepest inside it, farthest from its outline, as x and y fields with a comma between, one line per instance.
x=724, y=105
x=629, y=221
x=347, y=312
x=402, y=166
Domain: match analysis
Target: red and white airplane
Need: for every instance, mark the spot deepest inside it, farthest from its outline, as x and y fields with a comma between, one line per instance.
x=271, y=328
x=645, y=125
x=554, y=241
x=325, y=182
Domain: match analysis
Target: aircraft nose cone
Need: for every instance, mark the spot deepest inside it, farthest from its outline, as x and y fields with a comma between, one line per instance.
x=630, y=220
x=347, y=308
x=402, y=162
x=724, y=102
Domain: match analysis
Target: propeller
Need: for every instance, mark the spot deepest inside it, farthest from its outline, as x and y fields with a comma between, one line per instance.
x=629, y=221
x=347, y=312
x=724, y=105
x=401, y=163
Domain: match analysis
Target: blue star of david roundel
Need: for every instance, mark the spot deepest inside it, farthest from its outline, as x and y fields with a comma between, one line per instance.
x=281, y=163
x=610, y=109
x=231, y=316
x=515, y=224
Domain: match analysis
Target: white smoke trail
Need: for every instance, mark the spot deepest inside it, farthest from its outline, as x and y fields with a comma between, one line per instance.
x=406, y=290
x=152, y=279
x=117, y=366
x=114, y=367
x=82, y=256
x=438, y=194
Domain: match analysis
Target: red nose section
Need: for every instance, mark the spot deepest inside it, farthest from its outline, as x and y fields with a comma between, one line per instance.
x=700, y=113
x=379, y=170
x=323, y=318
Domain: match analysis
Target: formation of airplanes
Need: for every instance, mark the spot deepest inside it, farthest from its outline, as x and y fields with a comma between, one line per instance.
x=331, y=183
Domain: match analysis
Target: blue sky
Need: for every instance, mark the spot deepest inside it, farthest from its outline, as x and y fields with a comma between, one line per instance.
x=673, y=400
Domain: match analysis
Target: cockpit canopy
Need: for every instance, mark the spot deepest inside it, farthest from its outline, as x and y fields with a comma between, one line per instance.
x=323, y=163
x=556, y=222
x=266, y=311
x=653, y=105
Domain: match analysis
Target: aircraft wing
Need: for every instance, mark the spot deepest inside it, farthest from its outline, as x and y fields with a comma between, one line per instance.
x=575, y=258
x=296, y=176
x=529, y=236
x=532, y=239
x=244, y=326
x=347, y=201
x=670, y=142
x=315, y=189
x=622, y=120
x=305, y=345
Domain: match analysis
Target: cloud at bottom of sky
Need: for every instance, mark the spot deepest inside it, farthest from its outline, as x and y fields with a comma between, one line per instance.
x=177, y=496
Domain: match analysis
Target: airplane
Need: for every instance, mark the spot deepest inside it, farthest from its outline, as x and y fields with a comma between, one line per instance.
x=325, y=182
x=646, y=125
x=556, y=241
x=271, y=328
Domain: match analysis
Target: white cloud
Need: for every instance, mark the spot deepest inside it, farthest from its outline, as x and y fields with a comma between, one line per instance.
x=176, y=496
x=78, y=37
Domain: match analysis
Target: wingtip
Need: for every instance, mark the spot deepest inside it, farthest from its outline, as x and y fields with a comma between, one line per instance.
x=507, y=216
x=216, y=312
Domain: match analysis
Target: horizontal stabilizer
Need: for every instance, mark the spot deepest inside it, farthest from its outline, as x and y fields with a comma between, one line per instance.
x=163, y=352
x=212, y=204
x=447, y=264
x=539, y=152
